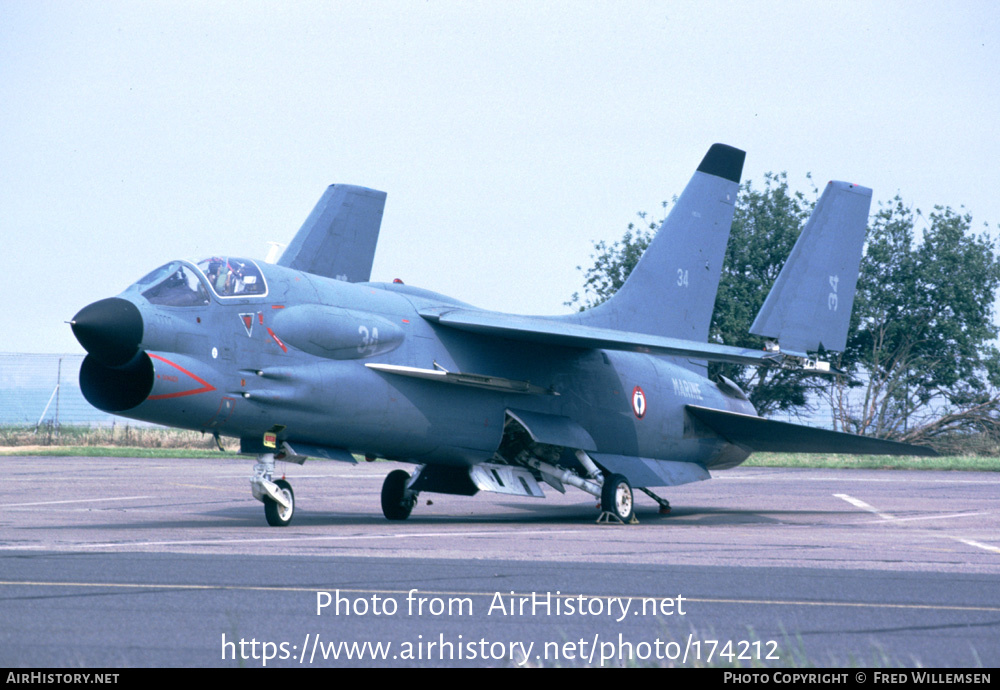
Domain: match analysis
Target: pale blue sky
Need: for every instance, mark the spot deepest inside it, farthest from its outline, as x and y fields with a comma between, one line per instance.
x=508, y=135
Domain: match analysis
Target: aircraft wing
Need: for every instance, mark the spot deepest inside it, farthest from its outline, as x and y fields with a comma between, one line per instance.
x=568, y=334
x=769, y=436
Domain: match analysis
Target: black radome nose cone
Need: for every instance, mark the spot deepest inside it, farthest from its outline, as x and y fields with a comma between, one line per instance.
x=110, y=330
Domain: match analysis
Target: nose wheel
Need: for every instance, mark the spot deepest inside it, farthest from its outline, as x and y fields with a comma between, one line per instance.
x=276, y=495
x=279, y=515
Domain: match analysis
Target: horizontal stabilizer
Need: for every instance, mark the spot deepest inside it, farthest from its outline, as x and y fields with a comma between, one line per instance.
x=809, y=306
x=769, y=436
x=339, y=237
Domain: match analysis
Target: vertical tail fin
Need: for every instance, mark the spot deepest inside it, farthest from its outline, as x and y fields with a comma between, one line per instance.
x=671, y=291
x=809, y=307
x=339, y=237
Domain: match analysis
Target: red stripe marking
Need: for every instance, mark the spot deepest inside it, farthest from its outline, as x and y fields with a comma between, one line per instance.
x=277, y=340
x=206, y=386
x=277, y=306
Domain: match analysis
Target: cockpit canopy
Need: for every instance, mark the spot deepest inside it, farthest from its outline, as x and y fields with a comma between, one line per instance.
x=183, y=284
x=232, y=277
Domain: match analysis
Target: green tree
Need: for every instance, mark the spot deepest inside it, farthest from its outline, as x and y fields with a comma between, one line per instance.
x=921, y=343
x=766, y=223
x=920, y=349
x=614, y=262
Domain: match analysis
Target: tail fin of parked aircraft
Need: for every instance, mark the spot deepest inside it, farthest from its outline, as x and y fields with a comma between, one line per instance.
x=339, y=237
x=671, y=291
x=809, y=307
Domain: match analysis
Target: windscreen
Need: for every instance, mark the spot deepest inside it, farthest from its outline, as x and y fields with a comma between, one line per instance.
x=173, y=285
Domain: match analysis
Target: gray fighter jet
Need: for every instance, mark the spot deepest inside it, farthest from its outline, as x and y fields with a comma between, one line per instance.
x=306, y=358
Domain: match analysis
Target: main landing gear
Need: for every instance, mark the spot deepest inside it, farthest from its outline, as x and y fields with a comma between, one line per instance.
x=397, y=499
x=617, y=501
x=277, y=496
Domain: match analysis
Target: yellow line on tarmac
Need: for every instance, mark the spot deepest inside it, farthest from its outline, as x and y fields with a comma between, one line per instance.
x=199, y=486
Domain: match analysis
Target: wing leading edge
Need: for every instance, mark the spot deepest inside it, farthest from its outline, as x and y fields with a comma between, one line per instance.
x=565, y=334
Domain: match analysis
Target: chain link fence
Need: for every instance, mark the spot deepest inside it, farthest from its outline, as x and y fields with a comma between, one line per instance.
x=44, y=390
x=41, y=405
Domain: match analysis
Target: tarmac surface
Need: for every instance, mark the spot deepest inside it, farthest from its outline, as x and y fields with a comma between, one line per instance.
x=123, y=562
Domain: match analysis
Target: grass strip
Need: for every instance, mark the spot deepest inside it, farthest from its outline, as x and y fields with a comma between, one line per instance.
x=874, y=462
x=113, y=452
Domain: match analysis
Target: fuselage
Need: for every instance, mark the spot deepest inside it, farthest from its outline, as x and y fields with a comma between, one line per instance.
x=287, y=349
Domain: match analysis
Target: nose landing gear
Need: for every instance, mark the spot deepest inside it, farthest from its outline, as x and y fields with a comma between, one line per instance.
x=280, y=514
x=277, y=496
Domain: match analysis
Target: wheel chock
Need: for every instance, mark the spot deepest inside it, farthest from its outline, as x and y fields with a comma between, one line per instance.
x=609, y=518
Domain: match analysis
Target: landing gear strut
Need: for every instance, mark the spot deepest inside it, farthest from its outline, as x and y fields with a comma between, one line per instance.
x=277, y=496
x=397, y=500
x=662, y=502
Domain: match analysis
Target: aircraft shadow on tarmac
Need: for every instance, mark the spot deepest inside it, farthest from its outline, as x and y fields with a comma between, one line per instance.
x=522, y=514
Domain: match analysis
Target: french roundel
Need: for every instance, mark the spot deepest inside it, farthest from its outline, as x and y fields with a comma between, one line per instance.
x=638, y=402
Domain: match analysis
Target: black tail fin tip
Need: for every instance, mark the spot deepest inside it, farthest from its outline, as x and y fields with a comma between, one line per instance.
x=671, y=291
x=723, y=161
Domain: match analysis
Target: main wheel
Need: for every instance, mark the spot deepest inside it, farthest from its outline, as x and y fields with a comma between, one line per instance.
x=276, y=514
x=395, y=505
x=616, y=497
